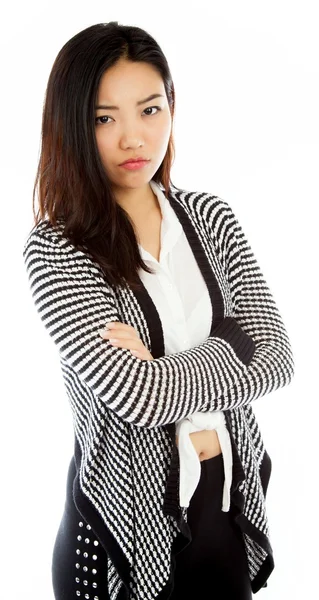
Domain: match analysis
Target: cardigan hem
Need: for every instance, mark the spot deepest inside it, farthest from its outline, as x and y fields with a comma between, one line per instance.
x=181, y=541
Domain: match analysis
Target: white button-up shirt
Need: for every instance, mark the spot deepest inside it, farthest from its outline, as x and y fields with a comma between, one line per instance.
x=180, y=295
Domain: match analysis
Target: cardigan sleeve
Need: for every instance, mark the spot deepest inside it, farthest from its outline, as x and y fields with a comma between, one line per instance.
x=254, y=309
x=74, y=302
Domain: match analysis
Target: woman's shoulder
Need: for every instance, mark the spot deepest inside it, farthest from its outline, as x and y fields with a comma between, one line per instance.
x=200, y=199
x=45, y=230
x=206, y=208
x=47, y=241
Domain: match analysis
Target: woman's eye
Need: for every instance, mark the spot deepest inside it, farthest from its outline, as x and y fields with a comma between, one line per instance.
x=107, y=117
x=103, y=117
x=150, y=108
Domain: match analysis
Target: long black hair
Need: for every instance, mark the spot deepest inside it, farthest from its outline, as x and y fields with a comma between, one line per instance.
x=72, y=183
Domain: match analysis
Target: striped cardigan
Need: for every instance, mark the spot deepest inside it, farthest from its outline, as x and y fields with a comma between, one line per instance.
x=124, y=409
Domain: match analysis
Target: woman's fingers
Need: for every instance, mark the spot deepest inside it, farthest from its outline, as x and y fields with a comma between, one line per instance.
x=125, y=336
x=119, y=330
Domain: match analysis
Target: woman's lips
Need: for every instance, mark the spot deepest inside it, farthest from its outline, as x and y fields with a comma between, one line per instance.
x=133, y=165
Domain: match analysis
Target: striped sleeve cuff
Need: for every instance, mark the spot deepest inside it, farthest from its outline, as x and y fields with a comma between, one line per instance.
x=230, y=331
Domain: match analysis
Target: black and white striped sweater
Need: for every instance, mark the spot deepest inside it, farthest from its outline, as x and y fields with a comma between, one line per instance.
x=125, y=409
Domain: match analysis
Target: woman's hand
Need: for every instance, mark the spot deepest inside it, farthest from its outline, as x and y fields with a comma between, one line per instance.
x=206, y=443
x=125, y=336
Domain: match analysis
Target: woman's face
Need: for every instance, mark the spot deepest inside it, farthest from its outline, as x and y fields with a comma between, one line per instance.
x=132, y=129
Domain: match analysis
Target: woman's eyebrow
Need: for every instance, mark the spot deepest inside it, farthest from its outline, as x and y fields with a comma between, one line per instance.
x=151, y=97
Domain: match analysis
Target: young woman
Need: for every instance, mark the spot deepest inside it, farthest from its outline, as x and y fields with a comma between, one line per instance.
x=166, y=488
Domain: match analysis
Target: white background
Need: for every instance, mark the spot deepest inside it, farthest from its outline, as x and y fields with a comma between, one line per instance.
x=246, y=129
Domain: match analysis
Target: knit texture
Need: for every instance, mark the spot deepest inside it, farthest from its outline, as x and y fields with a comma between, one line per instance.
x=124, y=409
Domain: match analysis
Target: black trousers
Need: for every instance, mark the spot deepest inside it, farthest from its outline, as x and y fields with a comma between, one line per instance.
x=212, y=567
